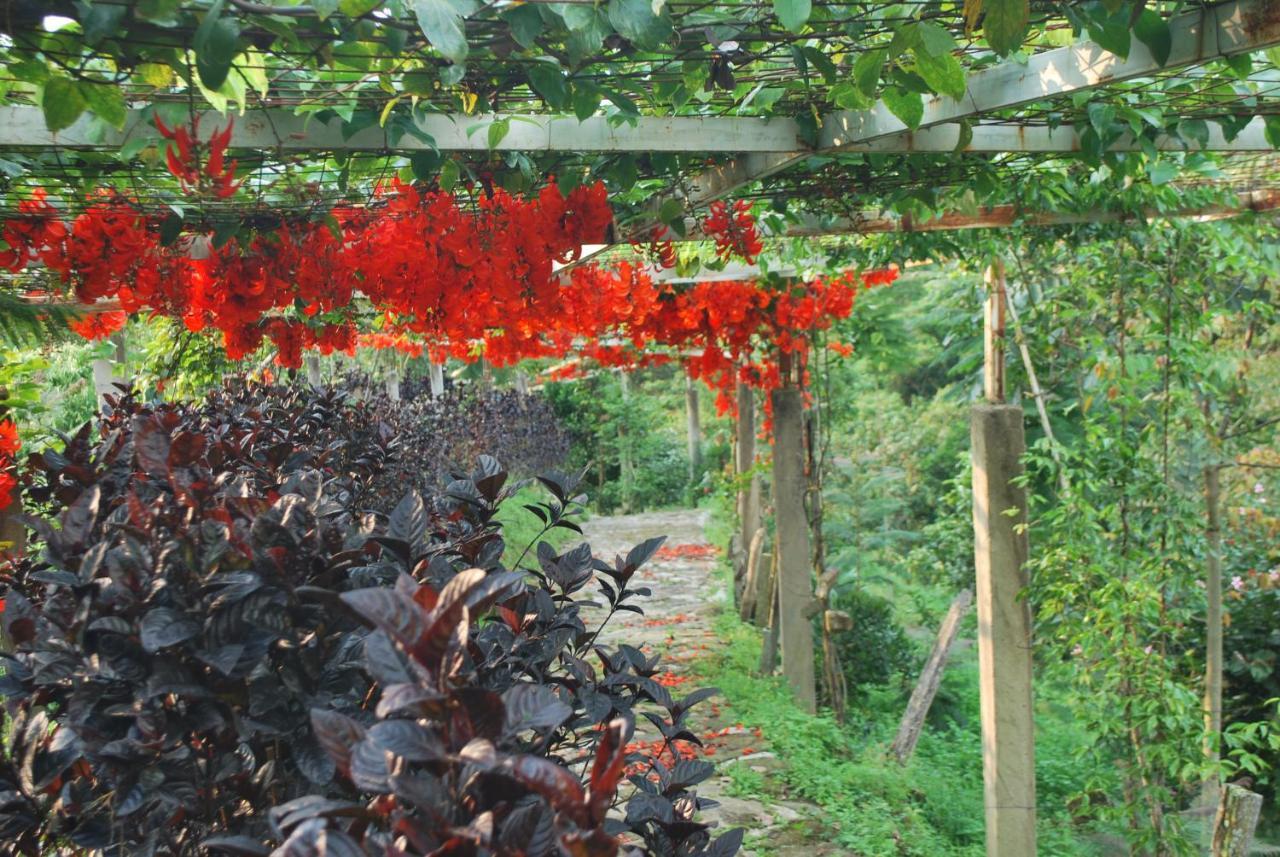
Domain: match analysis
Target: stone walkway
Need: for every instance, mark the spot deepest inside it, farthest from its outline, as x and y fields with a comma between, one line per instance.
x=677, y=623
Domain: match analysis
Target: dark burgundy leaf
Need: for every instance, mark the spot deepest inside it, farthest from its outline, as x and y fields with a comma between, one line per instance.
x=163, y=627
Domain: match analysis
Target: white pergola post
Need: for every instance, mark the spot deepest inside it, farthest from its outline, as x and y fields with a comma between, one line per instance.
x=1004, y=617
x=437, y=380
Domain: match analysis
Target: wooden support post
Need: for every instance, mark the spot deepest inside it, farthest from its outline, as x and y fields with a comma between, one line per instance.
x=750, y=517
x=751, y=587
x=522, y=383
x=769, y=609
x=1213, y=617
x=437, y=380
x=930, y=679
x=1004, y=617
x=693, y=424
x=795, y=577
x=1236, y=822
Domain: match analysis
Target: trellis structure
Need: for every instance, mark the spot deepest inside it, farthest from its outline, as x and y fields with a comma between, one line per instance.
x=844, y=117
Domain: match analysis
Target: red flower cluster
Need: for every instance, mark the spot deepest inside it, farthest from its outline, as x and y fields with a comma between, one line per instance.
x=440, y=270
x=99, y=325
x=183, y=161
x=9, y=446
x=734, y=230
x=388, y=341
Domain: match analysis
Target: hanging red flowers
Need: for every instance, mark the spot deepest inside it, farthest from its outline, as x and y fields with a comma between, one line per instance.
x=9, y=446
x=183, y=161
x=99, y=325
x=734, y=230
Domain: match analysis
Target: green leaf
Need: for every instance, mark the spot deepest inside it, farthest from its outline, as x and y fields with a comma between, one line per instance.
x=1112, y=35
x=448, y=175
x=216, y=43
x=547, y=81
x=966, y=135
x=101, y=20
x=866, y=71
x=823, y=64
x=1161, y=171
x=1194, y=131
x=935, y=39
x=942, y=72
x=497, y=131
x=62, y=103
x=846, y=96
x=1005, y=24
x=907, y=106
x=324, y=8
x=526, y=24
x=671, y=213
x=636, y=22
x=106, y=101
x=1153, y=31
x=443, y=26
x=586, y=101
x=356, y=8
x=793, y=14
x=158, y=11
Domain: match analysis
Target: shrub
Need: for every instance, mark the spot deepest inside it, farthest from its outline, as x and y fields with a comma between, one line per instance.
x=876, y=650
x=216, y=647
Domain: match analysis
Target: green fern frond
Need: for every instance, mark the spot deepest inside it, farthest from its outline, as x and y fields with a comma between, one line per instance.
x=24, y=324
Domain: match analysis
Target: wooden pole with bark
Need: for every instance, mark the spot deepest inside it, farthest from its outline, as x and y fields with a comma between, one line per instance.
x=1213, y=616
x=750, y=501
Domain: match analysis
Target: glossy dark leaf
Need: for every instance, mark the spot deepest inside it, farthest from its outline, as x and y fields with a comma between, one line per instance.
x=163, y=627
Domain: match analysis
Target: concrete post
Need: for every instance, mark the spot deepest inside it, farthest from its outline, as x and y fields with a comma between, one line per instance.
x=1004, y=631
x=795, y=578
x=312, y=364
x=693, y=425
x=437, y=380
x=393, y=384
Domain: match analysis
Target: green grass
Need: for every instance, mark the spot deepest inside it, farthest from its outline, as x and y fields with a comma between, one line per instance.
x=521, y=528
x=872, y=806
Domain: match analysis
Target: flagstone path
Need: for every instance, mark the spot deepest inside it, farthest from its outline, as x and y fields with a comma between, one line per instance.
x=677, y=624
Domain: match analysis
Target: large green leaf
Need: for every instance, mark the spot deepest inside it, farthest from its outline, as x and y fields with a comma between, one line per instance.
x=1153, y=31
x=443, y=26
x=1005, y=23
x=62, y=103
x=216, y=43
x=906, y=105
x=942, y=72
x=106, y=100
x=637, y=22
x=548, y=82
x=866, y=72
x=324, y=8
x=793, y=14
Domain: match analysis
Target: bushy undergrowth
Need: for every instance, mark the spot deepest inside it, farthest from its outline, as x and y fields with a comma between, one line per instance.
x=217, y=648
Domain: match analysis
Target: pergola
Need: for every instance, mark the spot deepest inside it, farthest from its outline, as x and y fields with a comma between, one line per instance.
x=676, y=105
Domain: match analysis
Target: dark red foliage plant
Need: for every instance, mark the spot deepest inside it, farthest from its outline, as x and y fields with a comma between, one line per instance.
x=215, y=650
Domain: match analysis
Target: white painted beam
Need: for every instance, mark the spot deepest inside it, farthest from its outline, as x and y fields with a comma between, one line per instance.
x=1231, y=28
x=280, y=130
x=1208, y=33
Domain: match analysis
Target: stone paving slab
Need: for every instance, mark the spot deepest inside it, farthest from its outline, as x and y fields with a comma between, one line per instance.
x=677, y=623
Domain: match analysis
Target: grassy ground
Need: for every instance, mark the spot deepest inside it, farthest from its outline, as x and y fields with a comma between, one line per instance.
x=874, y=807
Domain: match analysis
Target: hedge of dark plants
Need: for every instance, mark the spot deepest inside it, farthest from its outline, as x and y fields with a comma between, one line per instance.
x=215, y=649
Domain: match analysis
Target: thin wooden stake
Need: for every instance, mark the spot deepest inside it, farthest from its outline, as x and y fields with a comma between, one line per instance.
x=1213, y=615
x=993, y=334
x=930, y=679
